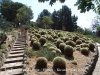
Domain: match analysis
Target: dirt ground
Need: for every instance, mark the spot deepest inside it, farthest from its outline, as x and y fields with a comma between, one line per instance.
x=71, y=69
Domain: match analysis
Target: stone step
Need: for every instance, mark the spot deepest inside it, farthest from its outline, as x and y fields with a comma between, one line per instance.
x=20, y=40
x=18, y=46
x=17, y=49
x=12, y=72
x=17, y=59
x=14, y=65
x=15, y=55
x=21, y=43
x=15, y=52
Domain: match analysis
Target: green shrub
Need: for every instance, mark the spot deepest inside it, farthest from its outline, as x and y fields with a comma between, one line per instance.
x=91, y=46
x=58, y=42
x=71, y=43
x=85, y=51
x=42, y=40
x=41, y=62
x=36, y=45
x=61, y=47
x=59, y=62
x=78, y=42
x=3, y=46
x=68, y=50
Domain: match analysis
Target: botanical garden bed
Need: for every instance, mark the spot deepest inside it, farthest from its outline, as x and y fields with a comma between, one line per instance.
x=75, y=64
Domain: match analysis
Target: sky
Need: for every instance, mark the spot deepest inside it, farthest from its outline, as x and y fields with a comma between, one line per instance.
x=84, y=19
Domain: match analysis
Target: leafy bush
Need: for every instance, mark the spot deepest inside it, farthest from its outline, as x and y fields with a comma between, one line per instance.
x=68, y=50
x=59, y=62
x=3, y=46
x=41, y=62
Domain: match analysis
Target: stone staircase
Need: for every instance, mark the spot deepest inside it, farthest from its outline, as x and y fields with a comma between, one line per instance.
x=13, y=64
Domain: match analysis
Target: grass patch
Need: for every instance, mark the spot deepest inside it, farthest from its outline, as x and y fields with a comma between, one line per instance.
x=29, y=53
x=45, y=52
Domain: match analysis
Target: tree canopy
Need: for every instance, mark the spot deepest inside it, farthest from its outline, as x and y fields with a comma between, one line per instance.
x=47, y=21
x=9, y=10
x=83, y=5
x=24, y=14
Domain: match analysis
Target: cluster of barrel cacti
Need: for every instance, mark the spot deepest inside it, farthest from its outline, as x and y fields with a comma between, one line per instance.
x=61, y=41
x=58, y=63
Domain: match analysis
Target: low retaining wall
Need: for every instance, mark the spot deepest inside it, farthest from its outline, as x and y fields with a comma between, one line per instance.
x=8, y=48
x=89, y=67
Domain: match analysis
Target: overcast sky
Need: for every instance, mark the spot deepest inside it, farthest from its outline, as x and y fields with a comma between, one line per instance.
x=84, y=19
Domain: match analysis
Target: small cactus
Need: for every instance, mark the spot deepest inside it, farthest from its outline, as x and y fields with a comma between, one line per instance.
x=42, y=40
x=85, y=51
x=91, y=46
x=36, y=45
x=68, y=50
x=59, y=62
x=41, y=62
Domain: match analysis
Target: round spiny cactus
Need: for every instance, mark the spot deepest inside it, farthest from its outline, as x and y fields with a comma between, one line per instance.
x=52, y=48
x=78, y=47
x=78, y=42
x=68, y=50
x=58, y=42
x=42, y=40
x=85, y=51
x=61, y=47
x=36, y=45
x=71, y=43
x=58, y=51
x=85, y=45
x=32, y=40
x=41, y=62
x=75, y=38
x=59, y=62
x=91, y=46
